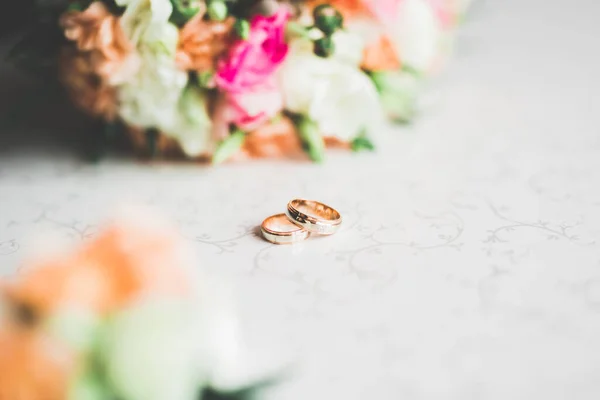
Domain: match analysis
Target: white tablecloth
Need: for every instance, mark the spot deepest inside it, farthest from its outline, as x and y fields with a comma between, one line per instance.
x=468, y=266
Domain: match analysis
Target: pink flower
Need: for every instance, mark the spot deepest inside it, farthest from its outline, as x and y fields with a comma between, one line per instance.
x=247, y=110
x=253, y=61
x=445, y=12
x=386, y=11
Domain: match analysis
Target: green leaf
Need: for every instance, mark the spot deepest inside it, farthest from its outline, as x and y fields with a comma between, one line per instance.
x=229, y=147
x=204, y=79
x=412, y=71
x=362, y=143
x=294, y=29
x=74, y=7
x=242, y=28
x=398, y=93
x=310, y=135
x=250, y=392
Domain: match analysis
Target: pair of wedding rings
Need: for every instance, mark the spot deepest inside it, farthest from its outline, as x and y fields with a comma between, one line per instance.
x=301, y=219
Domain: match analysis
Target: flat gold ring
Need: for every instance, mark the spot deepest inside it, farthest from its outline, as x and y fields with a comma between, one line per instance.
x=279, y=229
x=314, y=216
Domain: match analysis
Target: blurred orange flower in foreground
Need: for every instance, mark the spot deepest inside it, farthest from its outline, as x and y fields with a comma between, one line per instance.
x=125, y=263
x=32, y=366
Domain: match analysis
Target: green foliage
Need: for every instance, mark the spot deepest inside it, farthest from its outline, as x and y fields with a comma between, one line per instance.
x=312, y=141
x=184, y=10
x=204, y=78
x=229, y=146
x=361, y=143
x=398, y=93
x=251, y=392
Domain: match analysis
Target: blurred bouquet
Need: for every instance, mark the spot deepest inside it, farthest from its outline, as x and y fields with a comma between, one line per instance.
x=216, y=79
x=125, y=317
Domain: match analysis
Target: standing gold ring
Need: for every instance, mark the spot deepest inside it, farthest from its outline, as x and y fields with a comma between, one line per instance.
x=279, y=230
x=313, y=216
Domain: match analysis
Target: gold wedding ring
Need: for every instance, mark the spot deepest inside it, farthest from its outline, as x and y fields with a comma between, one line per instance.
x=279, y=229
x=313, y=216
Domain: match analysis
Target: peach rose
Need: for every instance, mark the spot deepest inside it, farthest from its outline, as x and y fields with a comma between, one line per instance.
x=98, y=32
x=280, y=139
x=274, y=140
x=380, y=55
x=202, y=43
x=124, y=261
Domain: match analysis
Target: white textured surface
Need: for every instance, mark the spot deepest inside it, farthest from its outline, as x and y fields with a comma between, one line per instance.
x=468, y=266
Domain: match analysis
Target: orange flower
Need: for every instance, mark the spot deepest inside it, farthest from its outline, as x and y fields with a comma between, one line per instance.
x=350, y=9
x=126, y=261
x=86, y=89
x=274, y=140
x=32, y=366
x=121, y=263
x=202, y=42
x=97, y=31
x=380, y=56
x=280, y=140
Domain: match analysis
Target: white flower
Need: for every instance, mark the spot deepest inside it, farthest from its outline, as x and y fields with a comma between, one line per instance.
x=348, y=47
x=150, y=98
x=416, y=34
x=336, y=95
x=156, y=97
x=191, y=125
x=142, y=17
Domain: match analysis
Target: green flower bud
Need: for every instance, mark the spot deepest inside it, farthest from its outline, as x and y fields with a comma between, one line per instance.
x=217, y=10
x=242, y=28
x=327, y=19
x=184, y=10
x=324, y=47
